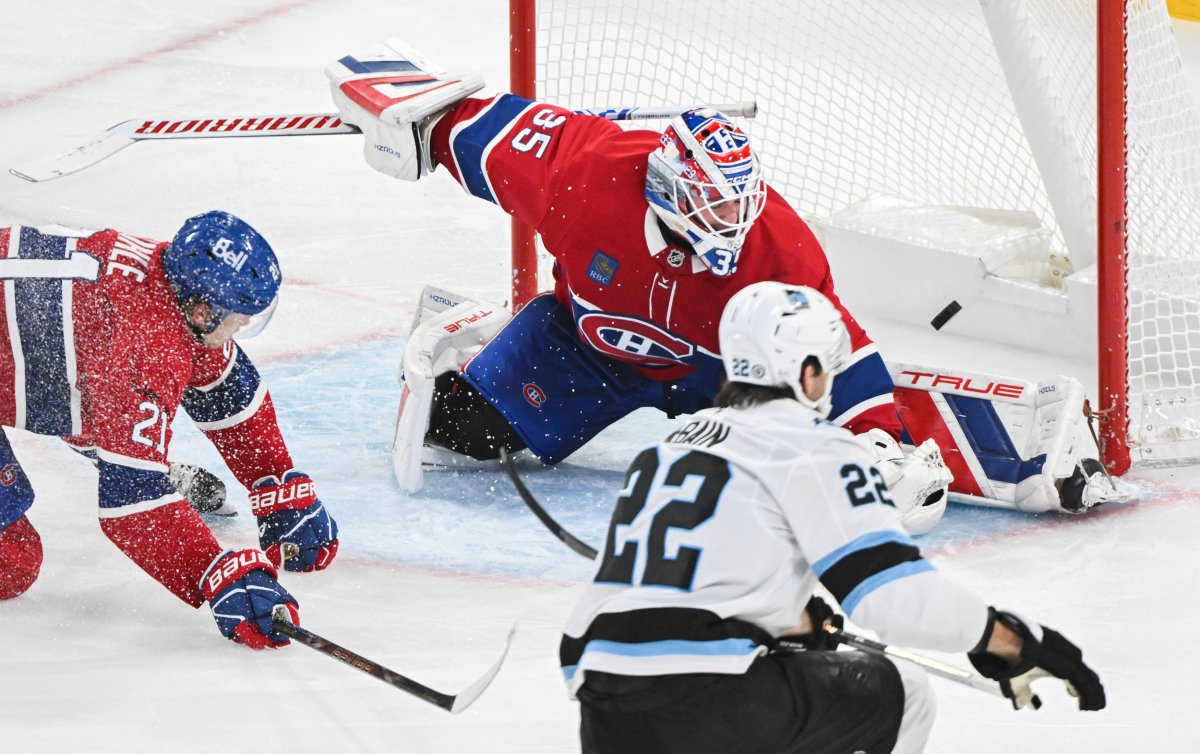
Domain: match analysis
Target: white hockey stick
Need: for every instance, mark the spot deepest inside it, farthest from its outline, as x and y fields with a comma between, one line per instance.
x=309, y=124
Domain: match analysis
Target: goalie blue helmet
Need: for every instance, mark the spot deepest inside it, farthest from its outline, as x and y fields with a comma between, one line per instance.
x=219, y=259
x=705, y=184
x=769, y=329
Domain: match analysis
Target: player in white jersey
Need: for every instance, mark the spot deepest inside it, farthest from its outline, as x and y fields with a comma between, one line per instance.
x=716, y=545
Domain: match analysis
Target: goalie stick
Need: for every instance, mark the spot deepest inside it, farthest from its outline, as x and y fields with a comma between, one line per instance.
x=861, y=643
x=129, y=132
x=454, y=703
x=570, y=540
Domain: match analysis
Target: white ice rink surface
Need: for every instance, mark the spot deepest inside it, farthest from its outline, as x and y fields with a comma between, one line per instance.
x=96, y=657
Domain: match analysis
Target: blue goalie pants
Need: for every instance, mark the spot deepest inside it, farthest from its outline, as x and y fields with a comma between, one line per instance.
x=810, y=702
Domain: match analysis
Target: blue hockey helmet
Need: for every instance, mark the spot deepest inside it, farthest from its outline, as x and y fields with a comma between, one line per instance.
x=219, y=259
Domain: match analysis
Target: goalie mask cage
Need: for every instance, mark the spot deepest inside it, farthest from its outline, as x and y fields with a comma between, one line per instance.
x=1076, y=110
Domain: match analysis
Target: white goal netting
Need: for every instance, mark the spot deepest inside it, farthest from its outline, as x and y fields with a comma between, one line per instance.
x=975, y=103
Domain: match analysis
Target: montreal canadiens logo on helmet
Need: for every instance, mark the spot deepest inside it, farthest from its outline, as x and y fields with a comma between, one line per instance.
x=633, y=340
x=8, y=475
x=725, y=143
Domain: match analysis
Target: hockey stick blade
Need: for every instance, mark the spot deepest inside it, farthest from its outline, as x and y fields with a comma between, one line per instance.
x=453, y=703
x=567, y=538
x=103, y=146
x=308, y=124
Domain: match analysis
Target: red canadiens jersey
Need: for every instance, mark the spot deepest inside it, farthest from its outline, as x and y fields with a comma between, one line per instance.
x=94, y=349
x=636, y=296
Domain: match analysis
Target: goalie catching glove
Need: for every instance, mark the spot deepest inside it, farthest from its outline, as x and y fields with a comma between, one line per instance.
x=395, y=96
x=917, y=482
x=1044, y=652
x=243, y=592
x=293, y=527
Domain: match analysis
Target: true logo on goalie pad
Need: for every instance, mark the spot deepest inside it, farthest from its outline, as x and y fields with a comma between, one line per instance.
x=961, y=385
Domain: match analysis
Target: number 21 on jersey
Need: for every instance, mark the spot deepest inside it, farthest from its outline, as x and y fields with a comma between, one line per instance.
x=656, y=500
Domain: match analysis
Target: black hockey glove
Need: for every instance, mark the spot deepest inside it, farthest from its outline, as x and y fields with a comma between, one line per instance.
x=1045, y=652
x=820, y=613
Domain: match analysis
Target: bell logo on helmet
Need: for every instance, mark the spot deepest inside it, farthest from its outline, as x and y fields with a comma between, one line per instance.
x=223, y=248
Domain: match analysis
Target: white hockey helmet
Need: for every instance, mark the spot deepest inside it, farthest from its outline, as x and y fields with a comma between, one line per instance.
x=769, y=329
x=706, y=184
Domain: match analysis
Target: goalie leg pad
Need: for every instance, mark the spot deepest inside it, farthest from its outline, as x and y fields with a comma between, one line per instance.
x=1008, y=442
x=439, y=344
x=395, y=95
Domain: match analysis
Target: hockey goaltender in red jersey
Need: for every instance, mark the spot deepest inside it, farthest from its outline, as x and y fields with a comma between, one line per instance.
x=105, y=337
x=651, y=233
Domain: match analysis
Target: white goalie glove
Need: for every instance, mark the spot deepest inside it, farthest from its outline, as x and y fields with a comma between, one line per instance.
x=446, y=334
x=917, y=482
x=395, y=96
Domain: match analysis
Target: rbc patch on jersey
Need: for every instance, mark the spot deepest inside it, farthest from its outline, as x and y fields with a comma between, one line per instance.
x=602, y=268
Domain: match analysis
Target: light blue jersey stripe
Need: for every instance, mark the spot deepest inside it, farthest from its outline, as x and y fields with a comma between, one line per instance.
x=892, y=574
x=864, y=542
x=666, y=648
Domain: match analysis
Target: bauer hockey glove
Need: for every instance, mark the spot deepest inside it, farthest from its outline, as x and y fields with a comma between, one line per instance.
x=243, y=594
x=293, y=527
x=1044, y=652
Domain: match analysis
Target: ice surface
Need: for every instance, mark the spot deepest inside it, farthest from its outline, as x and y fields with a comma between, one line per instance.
x=97, y=657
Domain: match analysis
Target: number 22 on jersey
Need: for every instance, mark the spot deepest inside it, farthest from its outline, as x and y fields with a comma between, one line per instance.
x=656, y=500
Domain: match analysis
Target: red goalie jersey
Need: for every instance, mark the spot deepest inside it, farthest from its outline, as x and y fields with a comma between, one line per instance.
x=95, y=350
x=579, y=180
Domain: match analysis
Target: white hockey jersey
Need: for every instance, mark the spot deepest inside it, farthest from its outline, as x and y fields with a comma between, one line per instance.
x=719, y=538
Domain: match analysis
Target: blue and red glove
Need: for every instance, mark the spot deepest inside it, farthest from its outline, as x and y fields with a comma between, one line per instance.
x=243, y=594
x=293, y=527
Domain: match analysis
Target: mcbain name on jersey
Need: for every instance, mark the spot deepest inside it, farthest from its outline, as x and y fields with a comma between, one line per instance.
x=704, y=432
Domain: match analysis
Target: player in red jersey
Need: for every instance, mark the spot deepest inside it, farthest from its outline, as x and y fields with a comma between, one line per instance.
x=105, y=337
x=651, y=233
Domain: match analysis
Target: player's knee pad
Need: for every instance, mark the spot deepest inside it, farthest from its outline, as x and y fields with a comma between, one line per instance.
x=920, y=709
x=20, y=558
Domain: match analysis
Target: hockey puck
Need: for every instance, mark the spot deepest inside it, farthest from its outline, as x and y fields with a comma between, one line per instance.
x=945, y=314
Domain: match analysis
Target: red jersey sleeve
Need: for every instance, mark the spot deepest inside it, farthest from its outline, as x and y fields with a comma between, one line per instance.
x=511, y=151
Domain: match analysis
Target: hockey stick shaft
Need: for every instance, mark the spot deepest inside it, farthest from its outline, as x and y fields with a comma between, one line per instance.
x=131, y=131
x=929, y=664
x=862, y=643
x=570, y=540
x=454, y=703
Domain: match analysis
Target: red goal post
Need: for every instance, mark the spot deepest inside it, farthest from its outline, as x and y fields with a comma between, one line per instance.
x=1074, y=113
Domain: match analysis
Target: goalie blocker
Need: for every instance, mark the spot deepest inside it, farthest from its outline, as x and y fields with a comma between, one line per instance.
x=1008, y=442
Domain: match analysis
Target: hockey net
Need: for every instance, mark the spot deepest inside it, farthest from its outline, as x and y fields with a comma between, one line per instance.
x=986, y=104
